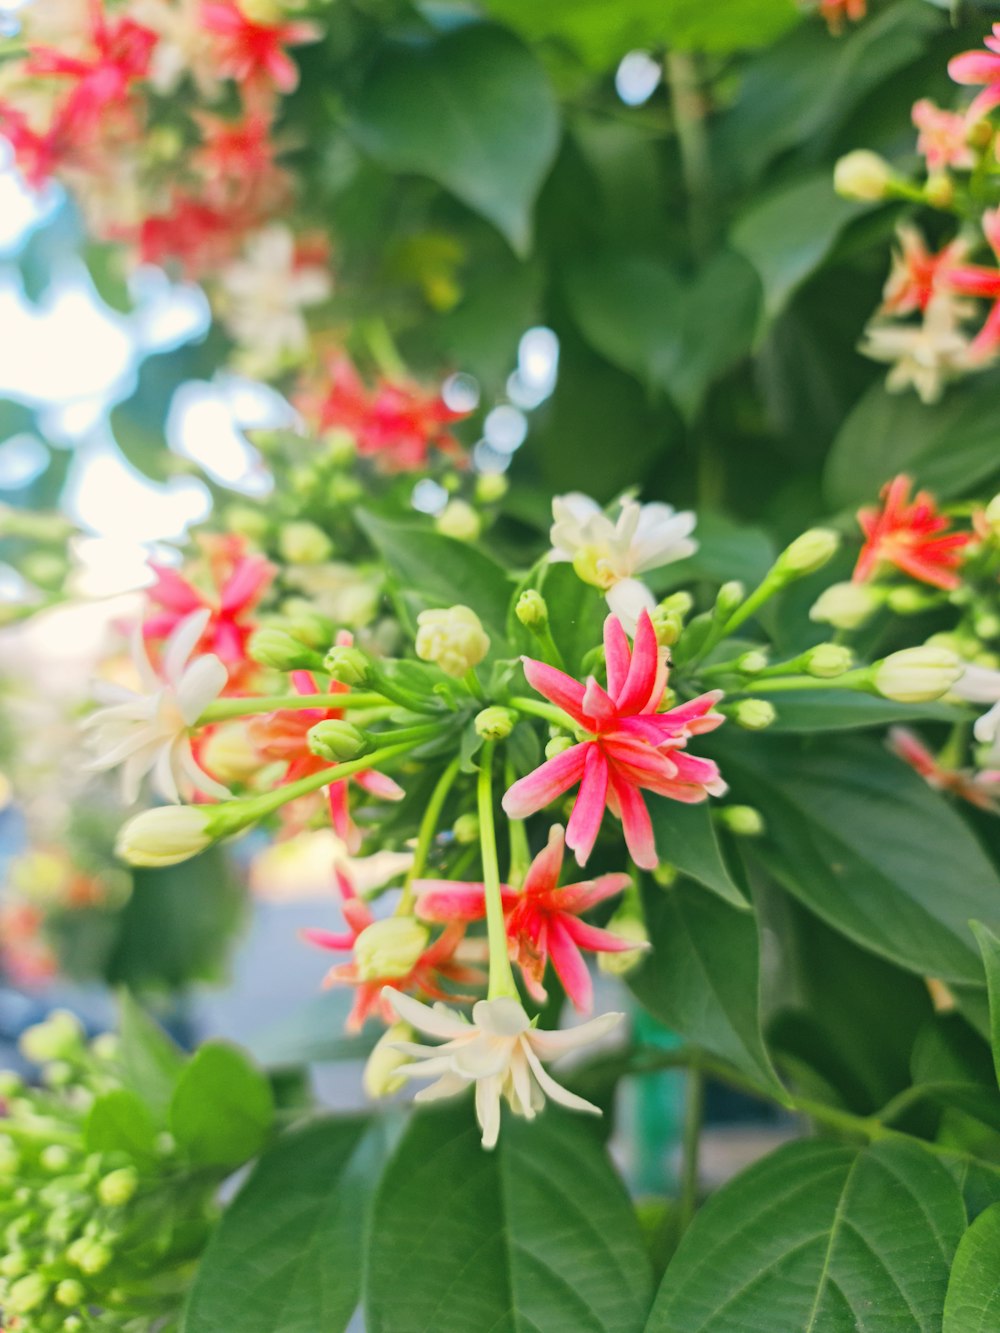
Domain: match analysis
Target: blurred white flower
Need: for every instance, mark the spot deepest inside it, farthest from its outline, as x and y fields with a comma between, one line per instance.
x=609, y=554
x=926, y=356
x=981, y=685
x=185, y=46
x=146, y=731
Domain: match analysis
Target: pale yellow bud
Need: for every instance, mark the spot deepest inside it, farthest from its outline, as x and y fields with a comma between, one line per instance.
x=459, y=520
x=491, y=487
x=303, y=543
x=862, y=175
x=228, y=754
x=828, y=660
x=453, y=638
x=60, y=1037
x=163, y=836
x=917, y=675
x=845, y=605
x=754, y=714
x=993, y=517
x=389, y=948
x=380, y=1078
x=495, y=723
x=808, y=553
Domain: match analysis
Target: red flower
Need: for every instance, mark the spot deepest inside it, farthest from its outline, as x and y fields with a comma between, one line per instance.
x=912, y=536
x=542, y=920
x=439, y=961
x=254, y=53
x=122, y=52
x=197, y=235
x=981, y=789
x=631, y=747
x=39, y=154
x=282, y=736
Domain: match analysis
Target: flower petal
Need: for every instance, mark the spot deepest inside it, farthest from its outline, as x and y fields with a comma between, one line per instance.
x=585, y=821
x=547, y=783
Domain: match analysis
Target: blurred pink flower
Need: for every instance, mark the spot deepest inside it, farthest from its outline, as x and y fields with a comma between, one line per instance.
x=980, y=67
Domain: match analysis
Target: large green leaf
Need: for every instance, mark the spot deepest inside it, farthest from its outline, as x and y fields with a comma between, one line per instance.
x=686, y=838
x=950, y=446
x=830, y=710
x=151, y=1063
x=443, y=571
x=702, y=977
x=951, y=1062
x=473, y=110
x=576, y=613
x=972, y=1302
x=288, y=1254
x=222, y=1107
x=119, y=1121
x=819, y=1238
x=787, y=235
x=867, y=845
x=537, y=1235
x=989, y=947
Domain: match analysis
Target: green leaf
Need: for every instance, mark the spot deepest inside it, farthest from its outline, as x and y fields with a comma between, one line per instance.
x=222, y=1107
x=119, y=1121
x=686, y=838
x=443, y=572
x=950, y=446
x=818, y=1238
x=151, y=1062
x=830, y=710
x=952, y=1065
x=473, y=110
x=538, y=1234
x=787, y=235
x=864, y=843
x=288, y=1253
x=989, y=947
x=723, y=546
x=576, y=613
x=702, y=977
x=972, y=1302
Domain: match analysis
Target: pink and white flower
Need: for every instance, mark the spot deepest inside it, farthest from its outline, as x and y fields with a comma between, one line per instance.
x=500, y=1053
x=943, y=138
x=981, y=789
x=629, y=746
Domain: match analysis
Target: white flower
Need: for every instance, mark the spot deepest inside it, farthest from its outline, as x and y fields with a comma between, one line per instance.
x=185, y=45
x=264, y=294
x=147, y=731
x=981, y=685
x=609, y=554
x=499, y=1051
x=927, y=355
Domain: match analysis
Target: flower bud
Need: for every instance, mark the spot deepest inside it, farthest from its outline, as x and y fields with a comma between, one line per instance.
x=917, y=675
x=466, y=829
x=349, y=666
x=341, y=446
x=305, y=624
x=10, y=1157
x=55, y=1158
x=558, y=745
x=164, y=836
x=278, y=649
x=303, y=543
x=70, y=1293
x=940, y=190
x=668, y=626
x=453, y=638
x=14, y=1264
x=986, y=624
x=532, y=610
x=90, y=1256
x=494, y=724
x=827, y=660
x=807, y=553
x=730, y=596
x=119, y=1187
x=60, y=1037
x=742, y=820
x=630, y=927
x=754, y=714
x=845, y=605
x=459, y=520
x=752, y=662
x=74, y=1324
x=247, y=521
x=678, y=603
x=337, y=741
x=908, y=600
x=992, y=515
x=389, y=948
x=26, y=1294
x=229, y=755
x=665, y=875
x=491, y=487
x=862, y=175
x=380, y=1078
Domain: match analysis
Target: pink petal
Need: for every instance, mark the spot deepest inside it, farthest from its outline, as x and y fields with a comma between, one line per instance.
x=570, y=967
x=379, y=784
x=543, y=873
x=636, y=824
x=597, y=704
x=617, y=655
x=556, y=686
x=974, y=67
x=340, y=817
x=597, y=940
x=329, y=939
x=585, y=821
x=246, y=584
x=446, y=900
x=547, y=783
x=304, y=682
x=173, y=592
x=574, y=898
x=637, y=691
x=696, y=715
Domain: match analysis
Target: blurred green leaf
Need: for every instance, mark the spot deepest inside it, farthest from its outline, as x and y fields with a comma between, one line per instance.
x=972, y=1302
x=120, y=1121
x=222, y=1107
x=151, y=1062
x=828, y=710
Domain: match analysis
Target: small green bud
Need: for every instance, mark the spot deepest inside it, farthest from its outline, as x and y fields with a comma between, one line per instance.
x=491, y=487
x=807, y=553
x=730, y=596
x=58, y=1074
x=466, y=829
x=668, y=626
x=752, y=662
x=459, y=520
x=27, y=1294
x=337, y=741
x=278, y=649
x=303, y=543
x=70, y=1293
x=74, y=1324
x=939, y=190
x=119, y=1187
x=742, y=820
x=494, y=724
x=55, y=1158
x=908, y=600
x=348, y=665
x=678, y=603
x=14, y=1265
x=10, y=1157
x=558, y=745
x=629, y=926
x=90, y=1256
x=11, y=1084
x=106, y=1047
x=754, y=714
x=992, y=515
x=341, y=446
x=845, y=605
x=532, y=610
x=665, y=875
x=862, y=175
x=828, y=660
x=307, y=625
x=987, y=625
x=246, y=521
x=60, y=1037
x=389, y=948
x=344, y=490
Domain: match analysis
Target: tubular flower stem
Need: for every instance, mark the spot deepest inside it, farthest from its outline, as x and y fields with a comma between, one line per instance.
x=501, y=975
x=850, y=680
x=428, y=827
x=269, y=703
x=549, y=712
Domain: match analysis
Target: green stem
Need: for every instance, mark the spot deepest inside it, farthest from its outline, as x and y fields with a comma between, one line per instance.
x=694, y=1116
x=380, y=343
x=471, y=682
x=520, y=852
x=501, y=977
x=272, y=703
x=428, y=828
x=692, y=140
x=761, y=594
x=850, y=680
x=547, y=711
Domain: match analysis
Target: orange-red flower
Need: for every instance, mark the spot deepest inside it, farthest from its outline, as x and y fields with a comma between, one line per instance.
x=912, y=535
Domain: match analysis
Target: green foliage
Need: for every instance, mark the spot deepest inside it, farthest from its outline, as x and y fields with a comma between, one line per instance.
x=972, y=1302
x=222, y=1107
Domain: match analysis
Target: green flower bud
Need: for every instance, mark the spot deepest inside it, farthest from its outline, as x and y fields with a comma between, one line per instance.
x=917, y=675
x=55, y=1158
x=752, y=662
x=908, y=600
x=627, y=924
x=303, y=543
x=164, y=836
x=344, y=491
x=730, y=596
x=742, y=820
x=90, y=1256
x=58, y=1074
x=754, y=714
x=119, y=1187
x=459, y=520
x=807, y=553
x=491, y=487
x=60, y=1037
x=380, y=1078
x=10, y=1157
x=11, y=1084
x=307, y=625
x=939, y=190
x=532, y=610
x=337, y=741
x=678, y=603
x=246, y=521
x=828, y=660
x=341, y=446
x=862, y=175
x=452, y=638
x=665, y=875
x=987, y=625
x=466, y=829
x=278, y=649
x=558, y=745
x=14, y=1265
x=494, y=724
x=70, y=1293
x=348, y=665
x=26, y=1294
x=390, y=948
x=105, y=1047
x=992, y=515
x=668, y=626
x=845, y=605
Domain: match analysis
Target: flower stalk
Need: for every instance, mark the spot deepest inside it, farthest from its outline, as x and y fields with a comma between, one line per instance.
x=501, y=982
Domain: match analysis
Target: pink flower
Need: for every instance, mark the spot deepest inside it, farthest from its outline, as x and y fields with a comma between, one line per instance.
x=254, y=53
x=121, y=55
x=980, y=789
x=980, y=67
x=282, y=736
x=942, y=140
x=439, y=961
x=542, y=920
x=918, y=274
x=631, y=746
x=978, y=280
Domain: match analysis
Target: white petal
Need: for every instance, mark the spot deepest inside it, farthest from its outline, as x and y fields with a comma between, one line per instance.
x=182, y=641
x=555, y=1090
x=200, y=683
x=978, y=684
x=987, y=728
x=483, y=1057
x=627, y=600
x=550, y=1044
x=437, y=1022
x=140, y=660
x=164, y=779
x=488, y=1110
x=450, y=1085
x=504, y=1017
x=187, y=769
